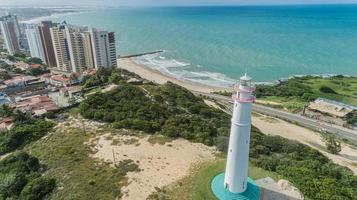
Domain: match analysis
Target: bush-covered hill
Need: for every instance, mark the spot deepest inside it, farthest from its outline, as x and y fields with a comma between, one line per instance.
x=175, y=112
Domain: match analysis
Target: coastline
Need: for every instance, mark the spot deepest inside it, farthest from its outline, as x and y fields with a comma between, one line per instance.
x=161, y=78
x=53, y=15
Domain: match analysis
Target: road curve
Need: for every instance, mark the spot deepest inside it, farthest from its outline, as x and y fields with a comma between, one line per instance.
x=295, y=118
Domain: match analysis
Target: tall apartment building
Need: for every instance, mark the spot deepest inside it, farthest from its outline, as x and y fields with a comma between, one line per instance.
x=11, y=32
x=61, y=47
x=46, y=39
x=88, y=51
x=77, y=49
x=103, y=45
x=34, y=42
x=112, y=50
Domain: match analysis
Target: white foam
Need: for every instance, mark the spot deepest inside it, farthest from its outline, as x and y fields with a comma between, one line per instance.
x=184, y=70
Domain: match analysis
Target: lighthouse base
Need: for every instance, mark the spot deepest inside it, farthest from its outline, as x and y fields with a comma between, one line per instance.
x=217, y=186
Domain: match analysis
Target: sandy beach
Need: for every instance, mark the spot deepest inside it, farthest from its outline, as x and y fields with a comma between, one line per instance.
x=161, y=78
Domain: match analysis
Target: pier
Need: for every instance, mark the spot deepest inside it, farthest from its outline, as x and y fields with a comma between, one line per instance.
x=141, y=54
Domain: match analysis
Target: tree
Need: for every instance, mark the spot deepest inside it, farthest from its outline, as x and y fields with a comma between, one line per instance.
x=326, y=89
x=38, y=188
x=4, y=75
x=34, y=61
x=11, y=58
x=332, y=145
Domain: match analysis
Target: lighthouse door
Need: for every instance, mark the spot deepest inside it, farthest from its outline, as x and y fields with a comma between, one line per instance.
x=227, y=186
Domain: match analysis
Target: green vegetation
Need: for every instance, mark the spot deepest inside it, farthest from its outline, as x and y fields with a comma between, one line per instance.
x=79, y=175
x=168, y=109
x=4, y=75
x=106, y=76
x=20, y=178
x=24, y=131
x=198, y=185
x=332, y=144
x=175, y=112
x=306, y=168
x=159, y=139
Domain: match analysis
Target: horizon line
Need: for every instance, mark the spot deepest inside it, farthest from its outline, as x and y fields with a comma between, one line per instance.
x=178, y=5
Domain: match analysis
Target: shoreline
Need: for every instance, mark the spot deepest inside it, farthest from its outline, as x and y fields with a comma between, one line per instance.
x=53, y=15
x=159, y=77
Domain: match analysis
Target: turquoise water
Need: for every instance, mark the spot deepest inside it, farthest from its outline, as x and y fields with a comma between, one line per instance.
x=215, y=45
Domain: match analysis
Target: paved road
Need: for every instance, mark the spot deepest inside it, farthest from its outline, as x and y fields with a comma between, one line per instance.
x=295, y=118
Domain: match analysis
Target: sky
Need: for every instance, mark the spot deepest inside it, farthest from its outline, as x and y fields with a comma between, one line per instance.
x=166, y=2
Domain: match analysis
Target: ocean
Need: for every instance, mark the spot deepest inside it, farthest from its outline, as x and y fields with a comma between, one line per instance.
x=216, y=45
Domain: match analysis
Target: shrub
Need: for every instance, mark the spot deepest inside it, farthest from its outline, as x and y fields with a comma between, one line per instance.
x=326, y=89
x=38, y=188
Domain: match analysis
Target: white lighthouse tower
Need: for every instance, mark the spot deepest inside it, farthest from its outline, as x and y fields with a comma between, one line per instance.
x=236, y=174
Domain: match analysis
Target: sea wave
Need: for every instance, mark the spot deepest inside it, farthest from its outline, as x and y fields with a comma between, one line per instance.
x=184, y=71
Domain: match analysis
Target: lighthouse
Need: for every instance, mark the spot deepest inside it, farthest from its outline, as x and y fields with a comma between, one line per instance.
x=236, y=174
x=235, y=183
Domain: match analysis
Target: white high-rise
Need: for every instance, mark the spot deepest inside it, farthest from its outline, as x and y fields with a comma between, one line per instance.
x=61, y=48
x=35, y=43
x=11, y=32
x=236, y=174
x=103, y=45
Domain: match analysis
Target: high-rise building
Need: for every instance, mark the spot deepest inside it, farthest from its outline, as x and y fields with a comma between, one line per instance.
x=11, y=32
x=76, y=49
x=46, y=39
x=103, y=45
x=88, y=51
x=35, y=42
x=61, y=48
x=112, y=50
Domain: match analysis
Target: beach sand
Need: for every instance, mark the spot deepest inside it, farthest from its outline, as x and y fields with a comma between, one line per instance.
x=161, y=78
x=159, y=164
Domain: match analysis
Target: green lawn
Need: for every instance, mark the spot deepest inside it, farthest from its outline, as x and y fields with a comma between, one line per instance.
x=198, y=185
x=345, y=87
x=291, y=104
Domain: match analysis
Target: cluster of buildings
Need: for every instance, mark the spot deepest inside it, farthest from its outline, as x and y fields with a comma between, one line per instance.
x=61, y=46
x=69, y=51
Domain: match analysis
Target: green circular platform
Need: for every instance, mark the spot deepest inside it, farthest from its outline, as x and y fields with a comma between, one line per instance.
x=217, y=186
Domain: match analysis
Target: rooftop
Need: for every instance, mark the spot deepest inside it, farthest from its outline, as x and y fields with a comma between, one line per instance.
x=332, y=107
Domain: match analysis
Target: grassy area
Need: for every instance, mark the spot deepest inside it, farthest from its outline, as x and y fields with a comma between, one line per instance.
x=198, y=185
x=291, y=104
x=78, y=175
x=345, y=87
x=159, y=139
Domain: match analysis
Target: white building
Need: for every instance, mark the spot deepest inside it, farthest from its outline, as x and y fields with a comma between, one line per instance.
x=11, y=32
x=103, y=45
x=236, y=175
x=61, y=48
x=35, y=43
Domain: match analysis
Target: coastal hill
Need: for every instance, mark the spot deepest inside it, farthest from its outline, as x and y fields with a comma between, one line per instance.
x=90, y=152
